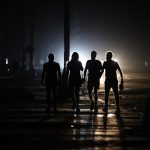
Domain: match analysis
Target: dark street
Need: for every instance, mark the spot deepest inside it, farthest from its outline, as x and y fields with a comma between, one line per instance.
x=24, y=123
x=92, y=57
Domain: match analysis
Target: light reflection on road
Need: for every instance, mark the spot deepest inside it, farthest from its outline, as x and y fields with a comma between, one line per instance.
x=104, y=128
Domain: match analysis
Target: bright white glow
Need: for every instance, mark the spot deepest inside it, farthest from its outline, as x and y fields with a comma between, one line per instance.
x=82, y=57
x=102, y=79
x=110, y=115
x=116, y=60
x=83, y=51
x=100, y=115
x=6, y=60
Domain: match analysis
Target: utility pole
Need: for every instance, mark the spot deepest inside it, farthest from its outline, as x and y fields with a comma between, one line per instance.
x=31, y=25
x=66, y=31
x=66, y=44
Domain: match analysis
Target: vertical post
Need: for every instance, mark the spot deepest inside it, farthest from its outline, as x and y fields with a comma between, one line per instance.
x=31, y=42
x=66, y=45
x=31, y=51
x=66, y=31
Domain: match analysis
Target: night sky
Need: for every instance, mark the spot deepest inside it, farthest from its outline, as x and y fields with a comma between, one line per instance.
x=120, y=26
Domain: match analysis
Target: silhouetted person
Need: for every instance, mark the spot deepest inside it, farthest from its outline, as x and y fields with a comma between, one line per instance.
x=111, y=80
x=94, y=68
x=51, y=76
x=73, y=71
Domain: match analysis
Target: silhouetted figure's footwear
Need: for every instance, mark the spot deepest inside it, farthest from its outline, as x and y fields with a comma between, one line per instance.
x=78, y=110
x=105, y=110
x=92, y=105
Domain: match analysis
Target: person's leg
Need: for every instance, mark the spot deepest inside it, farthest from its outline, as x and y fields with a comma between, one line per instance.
x=73, y=97
x=90, y=97
x=107, y=90
x=116, y=93
x=95, y=99
x=77, y=89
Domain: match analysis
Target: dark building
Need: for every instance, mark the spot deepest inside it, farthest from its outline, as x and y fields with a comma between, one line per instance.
x=30, y=30
x=16, y=32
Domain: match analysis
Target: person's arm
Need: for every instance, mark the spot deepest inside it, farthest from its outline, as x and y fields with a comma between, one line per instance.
x=102, y=69
x=121, y=86
x=81, y=67
x=67, y=73
x=59, y=74
x=85, y=70
x=121, y=74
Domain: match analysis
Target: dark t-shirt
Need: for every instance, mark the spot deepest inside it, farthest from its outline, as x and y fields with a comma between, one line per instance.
x=74, y=67
x=110, y=70
x=94, y=67
x=51, y=69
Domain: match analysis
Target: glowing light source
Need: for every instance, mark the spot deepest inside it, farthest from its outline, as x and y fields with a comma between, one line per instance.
x=6, y=60
x=82, y=57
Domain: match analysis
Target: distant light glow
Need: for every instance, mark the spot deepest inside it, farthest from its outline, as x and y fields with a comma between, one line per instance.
x=116, y=59
x=146, y=63
x=6, y=60
x=102, y=80
x=41, y=61
x=82, y=57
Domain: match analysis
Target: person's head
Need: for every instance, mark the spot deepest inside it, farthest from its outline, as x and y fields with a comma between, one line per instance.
x=75, y=56
x=93, y=55
x=109, y=55
x=51, y=57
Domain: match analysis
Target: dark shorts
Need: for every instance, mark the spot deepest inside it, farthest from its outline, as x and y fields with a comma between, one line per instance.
x=111, y=84
x=93, y=84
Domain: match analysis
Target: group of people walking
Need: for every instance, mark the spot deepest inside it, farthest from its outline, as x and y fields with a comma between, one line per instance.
x=51, y=77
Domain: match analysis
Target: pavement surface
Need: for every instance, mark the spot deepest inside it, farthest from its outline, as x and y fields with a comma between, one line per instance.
x=24, y=123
